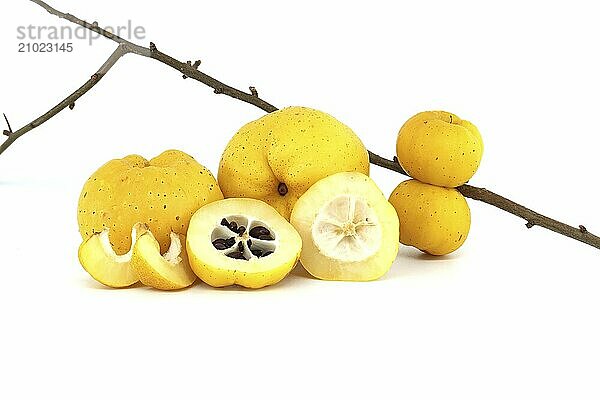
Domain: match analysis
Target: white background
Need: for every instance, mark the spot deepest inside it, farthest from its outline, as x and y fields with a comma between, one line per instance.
x=512, y=314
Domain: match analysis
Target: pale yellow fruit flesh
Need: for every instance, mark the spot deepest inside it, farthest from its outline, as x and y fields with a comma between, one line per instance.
x=378, y=221
x=169, y=271
x=99, y=259
x=216, y=269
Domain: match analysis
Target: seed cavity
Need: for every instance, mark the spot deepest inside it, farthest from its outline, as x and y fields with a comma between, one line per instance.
x=242, y=239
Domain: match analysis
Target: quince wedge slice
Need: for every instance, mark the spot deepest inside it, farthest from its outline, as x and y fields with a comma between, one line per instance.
x=168, y=271
x=99, y=259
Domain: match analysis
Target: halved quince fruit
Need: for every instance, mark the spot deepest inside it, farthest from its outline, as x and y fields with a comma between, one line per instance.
x=241, y=241
x=168, y=271
x=349, y=230
x=99, y=259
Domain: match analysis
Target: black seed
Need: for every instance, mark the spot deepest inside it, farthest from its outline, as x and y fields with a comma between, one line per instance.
x=233, y=226
x=237, y=255
x=241, y=246
x=257, y=252
x=230, y=242
x=265, y=237
x=267, y=253
x=221, y=244
x=258, y=231
x=249, y=243
x=241, y=230
x=224, y=222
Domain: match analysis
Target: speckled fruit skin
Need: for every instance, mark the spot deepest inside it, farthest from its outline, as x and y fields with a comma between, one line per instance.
x=296, y=146
x=163, y=193
x=433, y=219
x=439, y=148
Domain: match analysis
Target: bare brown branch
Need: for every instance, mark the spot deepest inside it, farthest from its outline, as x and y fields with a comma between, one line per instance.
x=533, y=218
x=190, y=70
x=217, y=86
x=68, y=101
x=486, y=196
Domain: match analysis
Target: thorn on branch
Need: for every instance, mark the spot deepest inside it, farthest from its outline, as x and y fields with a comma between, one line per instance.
x=153, y=48
x=396, y=160
x=583, y=229
x=9, y=131
x=196, y=64
x=530, y=224
x=71, y=106
x=95, y=24
x=253, y=91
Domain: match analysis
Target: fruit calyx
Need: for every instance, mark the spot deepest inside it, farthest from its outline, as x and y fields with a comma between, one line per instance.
x=235, y=240
x=282, y=189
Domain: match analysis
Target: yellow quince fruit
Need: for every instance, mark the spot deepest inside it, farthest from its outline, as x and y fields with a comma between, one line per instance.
x=162, y=193
x=279, y=156
x=435, y=220
x=439, y=148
